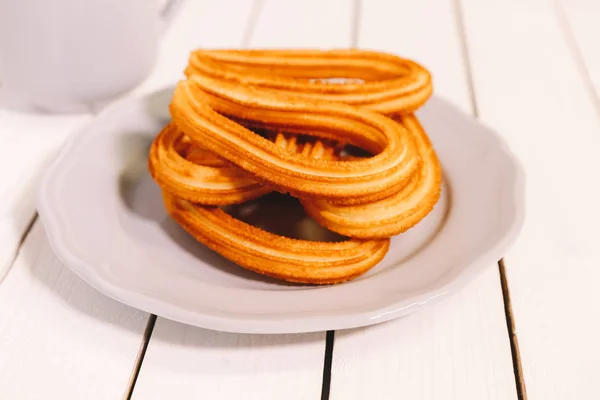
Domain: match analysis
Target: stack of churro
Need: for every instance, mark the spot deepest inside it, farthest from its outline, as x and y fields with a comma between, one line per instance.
x=248, y=122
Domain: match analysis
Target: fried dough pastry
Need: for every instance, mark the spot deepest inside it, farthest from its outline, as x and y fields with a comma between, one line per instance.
x=376, y=81
x=273, y=255
x=201, y=106
x=215, y=152
x=394, y=214
x=198, y=175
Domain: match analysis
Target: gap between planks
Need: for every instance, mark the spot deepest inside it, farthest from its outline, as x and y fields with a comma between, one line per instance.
x=327, y=363
x=139, y=359
x=257, y=7
x=510, y=323
x=577, y=54
x=28, y=229
x=355, y=23
x=514, y=341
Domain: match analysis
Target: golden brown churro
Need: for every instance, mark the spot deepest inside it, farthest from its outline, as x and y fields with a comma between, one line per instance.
x=378, y=81
x=200, y=106
x=234, y=136
x=198, y=176
x=394, y=214
x=273, y=255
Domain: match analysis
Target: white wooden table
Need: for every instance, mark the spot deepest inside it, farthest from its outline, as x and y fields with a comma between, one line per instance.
x=529, y=328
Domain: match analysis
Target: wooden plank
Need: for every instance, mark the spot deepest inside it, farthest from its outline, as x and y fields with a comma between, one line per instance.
x=59, y=338
x=28, y=142
x=529, y=88
x=457, y=349
x=305, y=24
x=187, y=362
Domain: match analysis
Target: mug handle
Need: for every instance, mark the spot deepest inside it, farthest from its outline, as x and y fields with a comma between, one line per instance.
x=168, y=11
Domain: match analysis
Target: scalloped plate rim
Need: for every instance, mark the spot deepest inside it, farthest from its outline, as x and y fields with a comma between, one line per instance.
x=296, y=324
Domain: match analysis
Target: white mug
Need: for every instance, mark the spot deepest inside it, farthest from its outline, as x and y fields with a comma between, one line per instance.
x=63, y=55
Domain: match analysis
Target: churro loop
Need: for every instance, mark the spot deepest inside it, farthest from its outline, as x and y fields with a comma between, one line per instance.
x=372, y=80
x=391, y=215
x=273, y=255
x=199, y=177
x=201, y=106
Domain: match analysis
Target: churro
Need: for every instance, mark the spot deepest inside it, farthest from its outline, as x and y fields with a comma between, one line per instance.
x=215, y=152
x=372, y=80
x=201, y=108
x=276, y=256
x=394, y=214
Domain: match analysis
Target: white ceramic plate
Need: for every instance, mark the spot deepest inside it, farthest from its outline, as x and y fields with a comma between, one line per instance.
x=105, y=220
